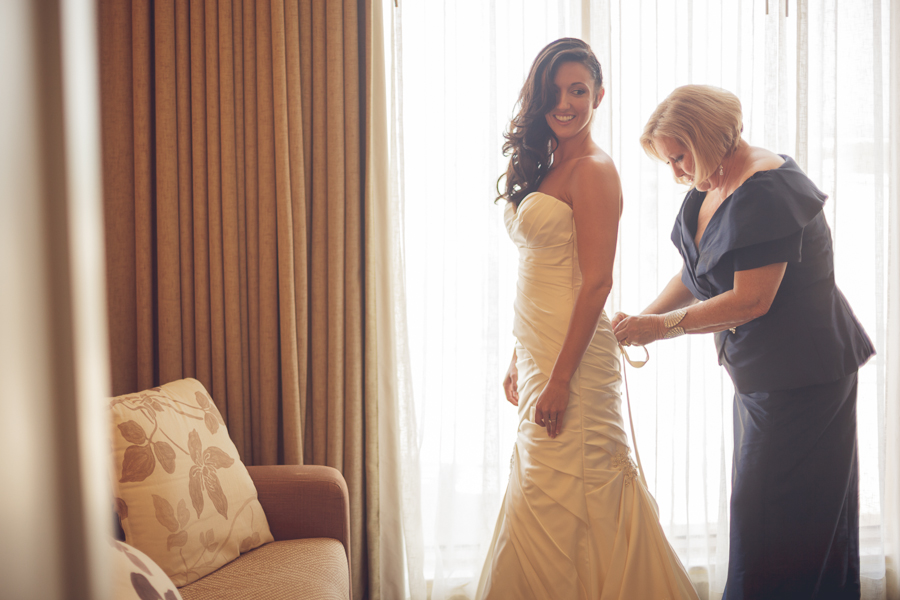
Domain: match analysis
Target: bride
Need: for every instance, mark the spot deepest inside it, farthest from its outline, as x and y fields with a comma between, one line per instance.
x=576, y=521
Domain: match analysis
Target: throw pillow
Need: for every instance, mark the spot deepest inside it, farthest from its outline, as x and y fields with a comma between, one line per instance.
x=136, y=577
x=182, y=493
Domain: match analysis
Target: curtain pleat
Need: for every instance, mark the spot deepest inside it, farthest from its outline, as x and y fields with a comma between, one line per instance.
x=297, y=415
x=230, y=217
x=892, y=351
x=268, y=251
x=185, y=185
x=252, y=219
x=316, y=444
x=286, y=246
x=118, y=136
x=306, y=95
x=234, y=210
x=200, y=284
x=214, y=213
x=351, y=358
x=143, y=192
x=802, y=144
x=242, y=213
x=167, y=204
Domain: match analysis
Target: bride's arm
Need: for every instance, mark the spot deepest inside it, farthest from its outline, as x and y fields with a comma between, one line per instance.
x=596, y=197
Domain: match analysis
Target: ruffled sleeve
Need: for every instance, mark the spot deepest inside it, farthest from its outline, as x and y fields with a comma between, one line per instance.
x=762, y=222
x=786, y=249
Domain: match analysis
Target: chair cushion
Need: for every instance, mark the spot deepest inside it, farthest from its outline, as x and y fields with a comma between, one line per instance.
x=313, y=568
x=183, y=495
x=137, y=577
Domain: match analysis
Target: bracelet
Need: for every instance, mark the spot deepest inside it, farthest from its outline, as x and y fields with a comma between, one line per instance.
x=671, y=320
x=673, y=333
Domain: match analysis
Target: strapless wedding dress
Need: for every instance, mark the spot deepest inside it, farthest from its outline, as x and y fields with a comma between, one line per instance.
x=576, y=522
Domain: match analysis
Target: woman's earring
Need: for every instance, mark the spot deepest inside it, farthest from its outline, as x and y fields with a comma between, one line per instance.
x=721, y=170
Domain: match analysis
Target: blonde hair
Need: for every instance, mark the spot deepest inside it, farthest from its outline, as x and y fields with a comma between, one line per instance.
x=706, y=120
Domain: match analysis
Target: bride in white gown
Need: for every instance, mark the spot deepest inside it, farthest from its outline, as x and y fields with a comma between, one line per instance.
x=577, y=521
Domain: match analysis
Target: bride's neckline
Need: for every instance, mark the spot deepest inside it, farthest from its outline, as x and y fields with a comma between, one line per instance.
x=539, y=193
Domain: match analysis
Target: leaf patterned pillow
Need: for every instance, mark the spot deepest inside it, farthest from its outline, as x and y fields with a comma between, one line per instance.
x=182, y=493
x=137, y=577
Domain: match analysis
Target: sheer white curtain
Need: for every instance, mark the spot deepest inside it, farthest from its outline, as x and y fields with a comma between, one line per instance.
x=813, y=78
x=892, y=350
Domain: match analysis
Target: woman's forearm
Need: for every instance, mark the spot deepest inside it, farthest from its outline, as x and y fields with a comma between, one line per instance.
x=752, y=296
x=753, y=293
x=716, y=314
x=719, y=313
x=582, y=325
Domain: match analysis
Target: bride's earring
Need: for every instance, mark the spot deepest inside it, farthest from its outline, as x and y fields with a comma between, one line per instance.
x=721, y=171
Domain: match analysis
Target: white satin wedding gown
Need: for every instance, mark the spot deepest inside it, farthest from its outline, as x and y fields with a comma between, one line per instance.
x=576, y=521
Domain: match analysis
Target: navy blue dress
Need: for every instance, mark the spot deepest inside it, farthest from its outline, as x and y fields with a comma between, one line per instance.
x=795, y=484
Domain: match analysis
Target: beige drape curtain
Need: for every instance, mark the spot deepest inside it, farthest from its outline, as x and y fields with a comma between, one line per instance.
x=233, y=203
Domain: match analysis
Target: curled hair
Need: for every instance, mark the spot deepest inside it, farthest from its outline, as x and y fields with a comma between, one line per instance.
x=706, y=120
x=529, y=140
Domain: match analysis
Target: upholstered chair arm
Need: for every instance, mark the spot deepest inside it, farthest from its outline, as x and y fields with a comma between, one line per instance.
x=306, y=501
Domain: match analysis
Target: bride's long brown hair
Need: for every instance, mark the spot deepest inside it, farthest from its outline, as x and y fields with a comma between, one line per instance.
x=530, y=142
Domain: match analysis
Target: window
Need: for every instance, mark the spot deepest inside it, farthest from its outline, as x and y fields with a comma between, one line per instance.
x=813, y=83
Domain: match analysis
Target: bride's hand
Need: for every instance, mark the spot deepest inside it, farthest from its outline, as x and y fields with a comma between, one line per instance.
x=511, y=383
x=639, y=330
x=551, y=405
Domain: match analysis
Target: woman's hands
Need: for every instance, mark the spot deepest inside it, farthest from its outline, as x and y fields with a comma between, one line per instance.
x=551, y=405
x=638, y=330
x=649, y=326
x=511, y=382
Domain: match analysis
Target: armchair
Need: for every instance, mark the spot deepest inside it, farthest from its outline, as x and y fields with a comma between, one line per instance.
x=308, y=512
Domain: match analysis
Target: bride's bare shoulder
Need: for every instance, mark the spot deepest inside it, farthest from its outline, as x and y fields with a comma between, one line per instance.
x=594, y=165
x=595, y=175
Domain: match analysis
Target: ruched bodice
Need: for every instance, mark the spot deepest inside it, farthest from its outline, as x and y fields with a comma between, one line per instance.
x=549, y=279
x=576, y=522
x=549, y=275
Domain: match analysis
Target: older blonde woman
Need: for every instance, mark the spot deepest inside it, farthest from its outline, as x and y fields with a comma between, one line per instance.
x=759, y=273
